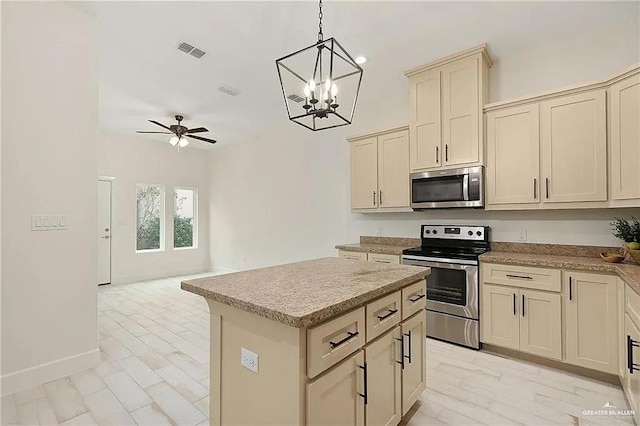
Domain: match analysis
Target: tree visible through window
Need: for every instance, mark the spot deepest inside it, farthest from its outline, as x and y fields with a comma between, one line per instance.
x=184, y=224
x=149, y=217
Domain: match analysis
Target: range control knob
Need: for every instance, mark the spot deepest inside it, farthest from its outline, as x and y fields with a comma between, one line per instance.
x=426, y=231
x=479, y=233
x=435, y=232
x=470, y=233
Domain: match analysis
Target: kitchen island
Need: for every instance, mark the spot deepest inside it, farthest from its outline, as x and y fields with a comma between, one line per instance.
x=325, y=341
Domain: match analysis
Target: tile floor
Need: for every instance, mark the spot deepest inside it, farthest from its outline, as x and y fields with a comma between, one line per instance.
x=154, y=341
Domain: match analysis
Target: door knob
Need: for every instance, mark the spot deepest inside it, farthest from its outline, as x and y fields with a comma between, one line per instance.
x=106, y=237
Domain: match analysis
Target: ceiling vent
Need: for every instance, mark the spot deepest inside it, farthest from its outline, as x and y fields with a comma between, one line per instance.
x=193, y=51
x=295, y=98
x=229, y=90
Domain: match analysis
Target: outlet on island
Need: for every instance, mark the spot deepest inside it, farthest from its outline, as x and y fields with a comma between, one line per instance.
x=522, y=235
x=249, y=360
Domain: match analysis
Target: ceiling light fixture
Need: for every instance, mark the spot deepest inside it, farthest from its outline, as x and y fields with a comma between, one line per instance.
x=361, y=60
x=317, y=72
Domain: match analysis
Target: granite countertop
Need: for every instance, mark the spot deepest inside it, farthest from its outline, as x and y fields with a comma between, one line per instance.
x=628, y=271
x=381, y=245
x=306, y=293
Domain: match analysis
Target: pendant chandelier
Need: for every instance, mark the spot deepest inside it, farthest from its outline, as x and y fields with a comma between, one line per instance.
x=320, y=83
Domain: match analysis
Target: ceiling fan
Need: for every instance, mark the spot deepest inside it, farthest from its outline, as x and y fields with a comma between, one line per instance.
x=180, y=133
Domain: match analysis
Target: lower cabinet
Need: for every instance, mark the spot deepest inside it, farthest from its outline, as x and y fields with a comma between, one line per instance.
x=371, y=257
x=352, y=255
x=525, y=320
x=631, y=380
x=334, y=398
x=384, y=380
x=591, y=315
x=414, y=350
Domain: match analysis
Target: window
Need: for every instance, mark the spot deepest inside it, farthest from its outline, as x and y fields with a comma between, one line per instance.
x=185, y=218
x=149, y=217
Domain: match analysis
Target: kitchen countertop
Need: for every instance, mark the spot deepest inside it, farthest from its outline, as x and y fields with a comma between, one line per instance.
x=628, y=271
x=306, y=293
x=381, y=245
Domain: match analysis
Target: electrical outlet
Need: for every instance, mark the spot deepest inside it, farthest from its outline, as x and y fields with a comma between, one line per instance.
x=249, y=360
x=379, y=231
x=522, y=235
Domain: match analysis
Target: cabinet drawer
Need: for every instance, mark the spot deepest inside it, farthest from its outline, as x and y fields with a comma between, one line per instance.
x=383, y=258
x=352, y=255
x=633, y=305
x=414, y=298
x=522, y=276
x=333, y=341
x=383, y=314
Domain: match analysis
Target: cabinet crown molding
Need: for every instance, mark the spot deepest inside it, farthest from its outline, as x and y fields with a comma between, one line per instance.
x=378, y=133
x=570, y=90
x=483, y=48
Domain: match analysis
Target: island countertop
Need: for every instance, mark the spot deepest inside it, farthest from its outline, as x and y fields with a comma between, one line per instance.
x=306, y=293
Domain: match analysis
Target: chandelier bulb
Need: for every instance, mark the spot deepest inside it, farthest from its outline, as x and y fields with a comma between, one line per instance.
x=327, y=84
x=312, y=85
x=334, y=90
x=307, y=91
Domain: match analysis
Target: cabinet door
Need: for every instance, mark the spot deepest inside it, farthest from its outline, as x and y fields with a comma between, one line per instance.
x=513, y=155
x=414, y=374
x=574, y=148
x=364, y=174
x=424, y=121
x=461, y=112
x=625, y=139
x=541, y=324
x=499, y=316
x=631, y=383
x=591, y=321
x=333, y=398
x=384, y=392
x=393, y=169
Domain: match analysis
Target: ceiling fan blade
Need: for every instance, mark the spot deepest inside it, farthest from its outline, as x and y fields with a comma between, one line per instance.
x=197, y=130
x=164, y=133
x=159, y=124
x=201, y=138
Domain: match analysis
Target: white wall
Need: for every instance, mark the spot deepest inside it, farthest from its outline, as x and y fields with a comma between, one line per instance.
x=134, y=159
x=285, y=196
x=49, y=166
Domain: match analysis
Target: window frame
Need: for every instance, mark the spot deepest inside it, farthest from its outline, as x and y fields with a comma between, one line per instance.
x=162, y=220
x=194, y=246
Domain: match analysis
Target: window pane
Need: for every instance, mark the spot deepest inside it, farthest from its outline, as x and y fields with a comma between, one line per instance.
x=148, y=217
x=184, y=226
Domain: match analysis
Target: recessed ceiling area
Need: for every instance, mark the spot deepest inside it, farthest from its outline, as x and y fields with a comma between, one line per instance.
x=144, y=76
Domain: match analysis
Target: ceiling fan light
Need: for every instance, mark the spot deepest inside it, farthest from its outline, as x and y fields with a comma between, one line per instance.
x=183, y=142
x=174, y=140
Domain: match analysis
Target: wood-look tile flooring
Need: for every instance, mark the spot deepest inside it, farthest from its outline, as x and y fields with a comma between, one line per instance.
x=154, y=344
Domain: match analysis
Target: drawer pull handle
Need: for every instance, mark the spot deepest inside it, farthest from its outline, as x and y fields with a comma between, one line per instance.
x=630, y=345
x=524, y=277
x=523, y=306
x=350, y=336
x=387, y=315
x=514, y=304
x=401, y=340
x=570, y=288
x=416, y=298
x=535, y=188
x=364, y=395
x=409, y=336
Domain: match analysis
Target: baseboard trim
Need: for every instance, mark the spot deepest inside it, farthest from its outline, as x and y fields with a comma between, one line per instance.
x=43, y=373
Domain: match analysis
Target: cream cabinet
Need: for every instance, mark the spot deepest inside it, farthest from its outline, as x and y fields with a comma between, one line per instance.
x=525, y=320
x=445, y=110
x=624, y=141
x=384, y=393
x=334, y=398
x=371, y=257
x=631, y=382
x=574, y=147
x=380, y=171
x=513, y=155
x=591, y=312
x=414, y=353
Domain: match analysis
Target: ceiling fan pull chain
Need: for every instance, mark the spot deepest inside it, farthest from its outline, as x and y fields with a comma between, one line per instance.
x=320, y=35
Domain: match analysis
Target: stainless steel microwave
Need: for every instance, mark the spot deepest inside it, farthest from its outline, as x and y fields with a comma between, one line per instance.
x=462, y=187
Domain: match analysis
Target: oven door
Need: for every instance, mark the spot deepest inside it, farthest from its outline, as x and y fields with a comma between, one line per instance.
x=452, y=288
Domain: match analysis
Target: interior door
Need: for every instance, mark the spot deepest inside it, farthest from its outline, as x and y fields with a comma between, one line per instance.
x=104, y=232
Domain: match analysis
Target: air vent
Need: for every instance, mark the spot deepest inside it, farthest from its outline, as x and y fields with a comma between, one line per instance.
x=229, y=90
x=193, y=51
x=295, y=98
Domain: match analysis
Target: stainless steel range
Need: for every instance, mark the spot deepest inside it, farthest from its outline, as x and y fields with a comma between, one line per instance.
x=453, y=286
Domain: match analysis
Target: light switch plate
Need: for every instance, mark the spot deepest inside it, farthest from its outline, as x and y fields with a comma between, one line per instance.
x=249, y=360
x=46, y=222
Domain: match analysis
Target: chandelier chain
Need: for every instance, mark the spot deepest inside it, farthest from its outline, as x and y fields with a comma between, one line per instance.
x=320, y=35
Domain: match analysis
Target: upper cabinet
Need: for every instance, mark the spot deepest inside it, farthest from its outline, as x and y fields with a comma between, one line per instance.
x=445, y=110
x=553, y=151
x=380, y=171
x=624, y=127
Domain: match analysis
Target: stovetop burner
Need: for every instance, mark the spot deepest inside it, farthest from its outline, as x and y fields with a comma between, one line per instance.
x=452, y=242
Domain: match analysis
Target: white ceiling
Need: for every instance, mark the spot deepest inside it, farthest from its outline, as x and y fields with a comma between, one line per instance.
x=143, y=76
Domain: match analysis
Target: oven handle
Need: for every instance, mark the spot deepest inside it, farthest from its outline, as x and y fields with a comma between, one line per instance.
x=439, y=263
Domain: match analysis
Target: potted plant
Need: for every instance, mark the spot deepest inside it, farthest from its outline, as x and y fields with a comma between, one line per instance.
x=629, y=232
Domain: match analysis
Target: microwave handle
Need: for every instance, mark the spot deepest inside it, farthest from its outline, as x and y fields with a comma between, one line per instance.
x=465, y=187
